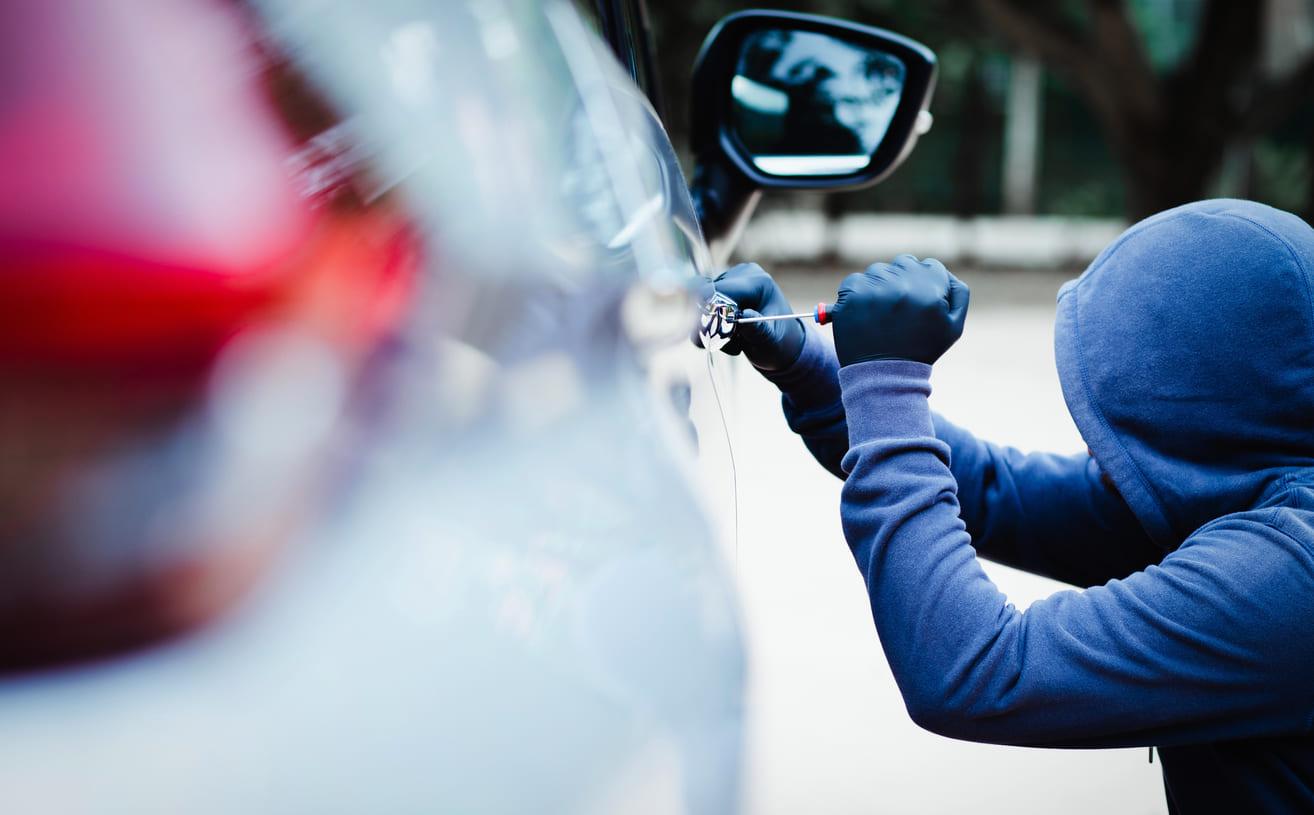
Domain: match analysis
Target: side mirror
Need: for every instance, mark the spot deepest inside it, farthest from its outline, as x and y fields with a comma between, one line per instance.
x=797, y=101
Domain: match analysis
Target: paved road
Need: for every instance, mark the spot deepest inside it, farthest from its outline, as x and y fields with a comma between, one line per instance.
x=828, y=732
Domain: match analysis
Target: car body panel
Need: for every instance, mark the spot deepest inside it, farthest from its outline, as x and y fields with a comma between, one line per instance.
x=517, y=602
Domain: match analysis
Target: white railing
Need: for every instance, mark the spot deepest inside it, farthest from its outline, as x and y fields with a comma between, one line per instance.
x=1006, y=242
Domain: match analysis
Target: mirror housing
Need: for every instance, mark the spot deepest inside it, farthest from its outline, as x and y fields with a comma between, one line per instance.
x=840, y=127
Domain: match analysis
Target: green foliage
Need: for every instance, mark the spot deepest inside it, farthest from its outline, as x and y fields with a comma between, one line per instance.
x=957, y=166
x=1167, y=28
x=1282, y=173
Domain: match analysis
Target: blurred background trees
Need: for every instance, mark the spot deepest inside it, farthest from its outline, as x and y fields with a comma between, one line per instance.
x=1077, y=107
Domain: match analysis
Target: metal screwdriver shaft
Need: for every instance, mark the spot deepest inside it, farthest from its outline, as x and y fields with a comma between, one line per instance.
x=821, y=315
x=803, y=315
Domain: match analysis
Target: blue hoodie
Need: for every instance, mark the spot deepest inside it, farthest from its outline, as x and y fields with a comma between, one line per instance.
x=1186, y=356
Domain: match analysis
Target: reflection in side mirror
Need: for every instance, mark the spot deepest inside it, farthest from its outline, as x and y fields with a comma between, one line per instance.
x=799, y=102
x=808, y=104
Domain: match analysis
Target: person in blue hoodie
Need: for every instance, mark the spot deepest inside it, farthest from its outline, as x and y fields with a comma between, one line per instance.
x=1186, y=356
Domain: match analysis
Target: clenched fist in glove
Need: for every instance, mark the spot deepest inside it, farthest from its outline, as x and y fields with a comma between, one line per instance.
x=908, y=309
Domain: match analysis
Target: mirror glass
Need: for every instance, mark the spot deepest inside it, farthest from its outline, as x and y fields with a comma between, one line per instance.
x=807, y=104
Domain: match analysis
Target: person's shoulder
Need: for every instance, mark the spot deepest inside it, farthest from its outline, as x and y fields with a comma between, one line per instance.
x=1286, y=521
x=1293, y=513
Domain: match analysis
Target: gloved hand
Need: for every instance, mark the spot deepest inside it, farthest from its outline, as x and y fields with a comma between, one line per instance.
x=908, y=309
x=770, y=346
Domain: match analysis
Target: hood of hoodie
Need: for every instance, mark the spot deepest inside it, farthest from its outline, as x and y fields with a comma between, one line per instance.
x=1186, y=355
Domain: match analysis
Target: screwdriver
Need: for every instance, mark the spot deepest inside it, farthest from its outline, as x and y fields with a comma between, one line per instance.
x=821, y=314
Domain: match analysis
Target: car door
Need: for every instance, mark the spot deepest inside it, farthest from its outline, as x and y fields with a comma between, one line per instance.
x=533, y=466
x=517, y=604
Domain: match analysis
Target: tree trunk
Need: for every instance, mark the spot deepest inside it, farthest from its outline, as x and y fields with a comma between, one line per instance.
x=1308, y=213
x=970, y=154
x=1169, y=132
x=1155, y=180
x=1163, y=164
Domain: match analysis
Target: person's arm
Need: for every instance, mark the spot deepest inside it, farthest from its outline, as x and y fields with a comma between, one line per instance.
x=795, y=357
x=1215, y=643
x=810, y=398
x=1048, y=514
x=1044, y=513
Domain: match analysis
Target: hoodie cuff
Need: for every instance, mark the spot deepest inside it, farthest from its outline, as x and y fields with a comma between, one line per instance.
x=887, y=399
x=812, y=381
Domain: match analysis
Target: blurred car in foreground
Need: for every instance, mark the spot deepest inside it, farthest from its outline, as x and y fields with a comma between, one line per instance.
x=343, y=340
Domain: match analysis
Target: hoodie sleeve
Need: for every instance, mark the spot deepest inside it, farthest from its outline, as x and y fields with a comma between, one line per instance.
x=1212, y=644
x=810, y=396
x=1044, y=513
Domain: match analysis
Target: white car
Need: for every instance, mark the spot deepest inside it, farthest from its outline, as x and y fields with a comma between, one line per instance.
x=505, y=593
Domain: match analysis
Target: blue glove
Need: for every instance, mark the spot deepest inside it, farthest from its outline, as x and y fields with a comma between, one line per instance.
x=908, y=309
x=770, y=346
